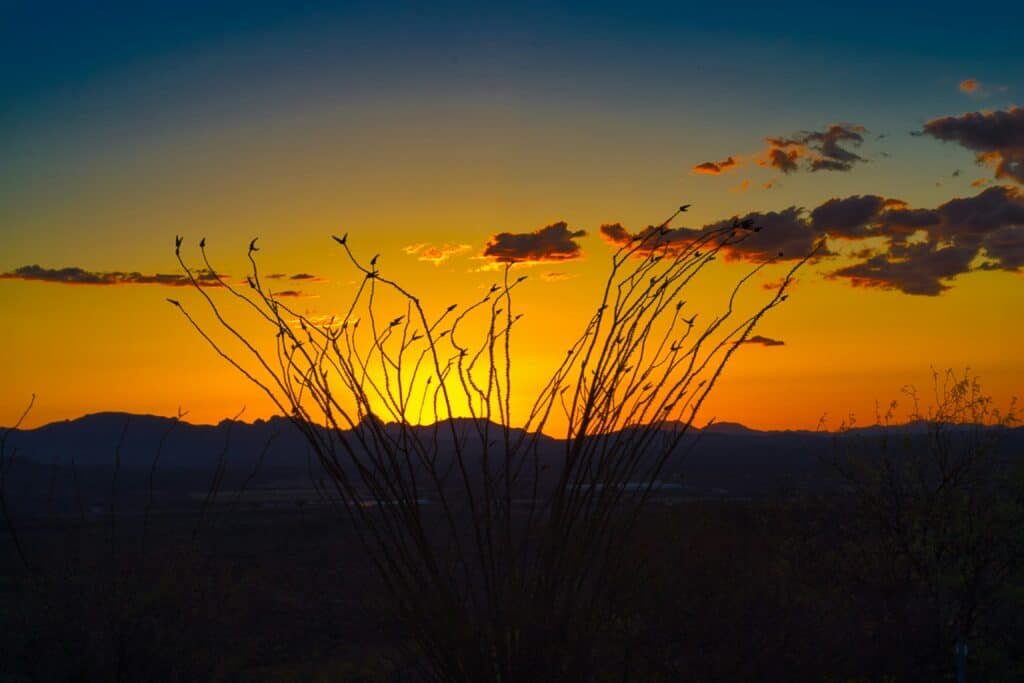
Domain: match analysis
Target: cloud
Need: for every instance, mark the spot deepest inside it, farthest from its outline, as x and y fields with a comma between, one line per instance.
x=776, y=284
x=1005, y=245
x=742, y=187
x=79, y=276
x=996, y=138
x=781, y=157
x=826, y=150
x=553, y=243
x=654, y=238
x=298, y=276
x=784, y=235
x=912, y=269
x=988, y=226
x=715, y=167
x=969, y=86
x=436, y=255
x=290, y=293
x=764, y=341
x=555, y=276
x=913, y=250
x=972, y=87
x=849, y=217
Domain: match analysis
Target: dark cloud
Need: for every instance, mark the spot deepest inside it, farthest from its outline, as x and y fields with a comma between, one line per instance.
x=554, y=242
x=653, y=237
x=1005, y=246
x=781, y=158
x=912, y=250
x=996, y=137
x=912, y=269
x=826, y=150
x=764, y=341
x=849, y=217
x=298, y=276
x=715, y=167
x=289, y=293
x=988, y=226
x=784, y=234
x=900, y=222
x=966, y=220
x=79, y=276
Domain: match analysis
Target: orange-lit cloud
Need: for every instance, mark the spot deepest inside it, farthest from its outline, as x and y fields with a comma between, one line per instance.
x=659, y=239
x=969, y=86
x=304, y=277
x=826, y=150
x=555, y=277
x=742, y=187
x=996, y=137
x=715, y=167
x=774, y=285
x=553, y=243
x=436, y=254
x=781, y=155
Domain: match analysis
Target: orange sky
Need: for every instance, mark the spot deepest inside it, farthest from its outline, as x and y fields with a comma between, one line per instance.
x=442, y=140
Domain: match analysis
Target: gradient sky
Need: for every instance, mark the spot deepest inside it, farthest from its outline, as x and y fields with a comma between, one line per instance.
x=445, y=124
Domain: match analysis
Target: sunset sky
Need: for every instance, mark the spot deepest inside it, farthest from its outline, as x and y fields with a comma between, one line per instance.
x=425, y=131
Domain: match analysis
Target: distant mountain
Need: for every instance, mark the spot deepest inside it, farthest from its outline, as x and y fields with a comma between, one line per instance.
x=181, y=458
x=731, y=428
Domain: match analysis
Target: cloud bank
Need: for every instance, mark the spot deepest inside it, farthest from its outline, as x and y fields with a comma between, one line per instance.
x=917, y=251
x=78, y=276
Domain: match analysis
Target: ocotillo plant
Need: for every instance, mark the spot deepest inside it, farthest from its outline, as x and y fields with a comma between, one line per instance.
x=937, y=504
x=511, y=573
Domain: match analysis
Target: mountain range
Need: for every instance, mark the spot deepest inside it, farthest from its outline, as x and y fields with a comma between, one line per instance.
x=177, y=458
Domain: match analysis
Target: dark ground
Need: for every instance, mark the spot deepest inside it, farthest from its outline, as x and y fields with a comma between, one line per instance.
x=730, y=591
x=754, y=565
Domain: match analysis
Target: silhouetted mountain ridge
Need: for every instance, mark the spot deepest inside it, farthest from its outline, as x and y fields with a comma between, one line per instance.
x=726, y=459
